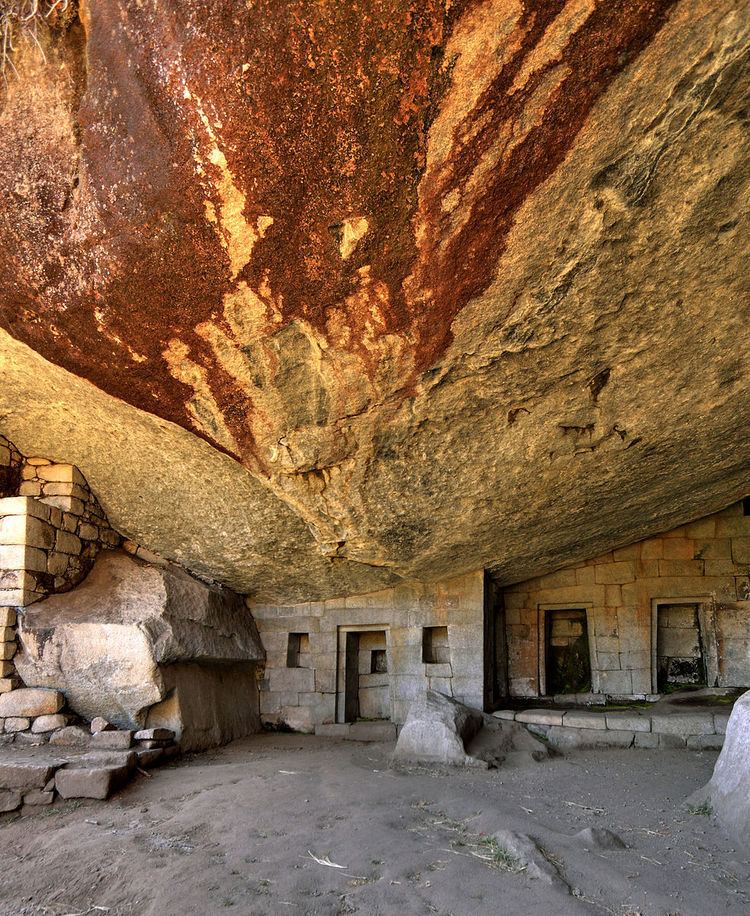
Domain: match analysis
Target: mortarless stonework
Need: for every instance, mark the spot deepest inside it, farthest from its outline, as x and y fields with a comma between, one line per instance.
x=390, y=291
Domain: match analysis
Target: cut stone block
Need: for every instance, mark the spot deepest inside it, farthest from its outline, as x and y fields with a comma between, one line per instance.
x=38, y=797
x=29, y=739
x=683, y=724
x=155, y=734
x=94, y=782
x=540, y=716
x=112, y=740
x=629, y=721
x=149, y=757
x=575, y=719
x=99, y=724
x=16, y=724
x=7, y=617
x=70, y=736
x=25, y=774
x=10, y=800
x=49, y=723
x=31, y=701
x=509, y=714
x=705, y=742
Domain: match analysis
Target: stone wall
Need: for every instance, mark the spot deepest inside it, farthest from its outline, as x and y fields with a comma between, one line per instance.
x=706, y=564
x=306, y=697
x=10, y=468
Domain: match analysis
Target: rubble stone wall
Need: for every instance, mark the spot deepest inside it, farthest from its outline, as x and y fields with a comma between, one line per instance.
x=706, y=562
x=306, y=697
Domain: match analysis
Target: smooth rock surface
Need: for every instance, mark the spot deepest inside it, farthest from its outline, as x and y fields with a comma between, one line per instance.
x=482, y=292
x=112, y=642
x=729, y=788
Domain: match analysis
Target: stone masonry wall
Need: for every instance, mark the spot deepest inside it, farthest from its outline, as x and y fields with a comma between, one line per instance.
x=706, y=562
x=11, y=461
x=51, y=529
x=306, y=697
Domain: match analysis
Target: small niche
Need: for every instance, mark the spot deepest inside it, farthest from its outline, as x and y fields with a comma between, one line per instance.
x=746, y=506
x=378, y=662
x=435, y=649
x=298, y=651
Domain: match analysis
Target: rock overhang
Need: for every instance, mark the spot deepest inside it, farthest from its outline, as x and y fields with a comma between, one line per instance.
x=409, y=351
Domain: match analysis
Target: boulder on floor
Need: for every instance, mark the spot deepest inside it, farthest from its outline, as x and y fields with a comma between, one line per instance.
x=729, y=789
x=118, y=643
x=439, y=729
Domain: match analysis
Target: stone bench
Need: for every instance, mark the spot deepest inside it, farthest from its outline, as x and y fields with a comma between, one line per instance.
x=697, y=729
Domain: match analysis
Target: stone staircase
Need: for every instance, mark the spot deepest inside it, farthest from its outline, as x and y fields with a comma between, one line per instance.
x=43, y=754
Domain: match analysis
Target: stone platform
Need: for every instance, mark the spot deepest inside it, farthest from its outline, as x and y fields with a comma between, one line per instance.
x=663, y=725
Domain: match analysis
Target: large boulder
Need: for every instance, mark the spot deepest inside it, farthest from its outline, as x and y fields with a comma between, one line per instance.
x=729, y=788
x=122, y=641
x=439, y=729
x=322, y=296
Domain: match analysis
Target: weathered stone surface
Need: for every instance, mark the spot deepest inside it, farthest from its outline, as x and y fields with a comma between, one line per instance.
x=70, y=736
x=155, y=734
x=437, y=730
x=99, y=724
x=10, y=800
x=517, y=257
x=31, y=701
x=25, y=774
x=729, y=788
x=110, y=643
x=112, y=740
x=90, y=782
x=48, y=723
x=38, y=797
x=16, y=724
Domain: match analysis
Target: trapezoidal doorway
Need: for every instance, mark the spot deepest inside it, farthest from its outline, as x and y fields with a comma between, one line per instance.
x=364, y=681
x=567, y=661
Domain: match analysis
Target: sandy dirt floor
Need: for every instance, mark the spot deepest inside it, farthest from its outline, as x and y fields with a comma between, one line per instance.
x=233, y=831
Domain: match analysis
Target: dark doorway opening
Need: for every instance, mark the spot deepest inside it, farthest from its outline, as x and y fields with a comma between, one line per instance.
x=366, y=679
x=679, y=647
x=567, y=662
x=495, y=647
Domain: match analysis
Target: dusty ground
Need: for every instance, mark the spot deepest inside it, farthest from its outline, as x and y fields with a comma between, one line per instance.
x=232, y=831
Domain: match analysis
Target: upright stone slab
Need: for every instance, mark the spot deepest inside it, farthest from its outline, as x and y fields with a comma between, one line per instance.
x=729, y=788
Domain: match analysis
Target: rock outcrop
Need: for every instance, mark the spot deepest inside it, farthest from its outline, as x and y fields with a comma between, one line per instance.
x=146, y=645
x=441, y=730
x=321, y=296
x=729, y=789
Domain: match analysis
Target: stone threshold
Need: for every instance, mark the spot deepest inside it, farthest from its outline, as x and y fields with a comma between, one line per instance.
x=697, y=729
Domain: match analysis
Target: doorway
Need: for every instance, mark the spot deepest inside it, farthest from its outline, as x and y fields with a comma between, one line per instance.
x=567, y=661
x=680, y=660
x=366, y=680
x=495, y=647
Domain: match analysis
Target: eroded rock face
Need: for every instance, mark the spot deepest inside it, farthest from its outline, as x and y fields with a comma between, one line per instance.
x=393, y=290
x=728, y=792
x=112, y=646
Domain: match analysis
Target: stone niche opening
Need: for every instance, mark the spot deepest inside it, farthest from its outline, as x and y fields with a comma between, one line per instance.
x=435, y=646
x=298, y=651
x=680, y=657
x=363, y=675
x=567, y=660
